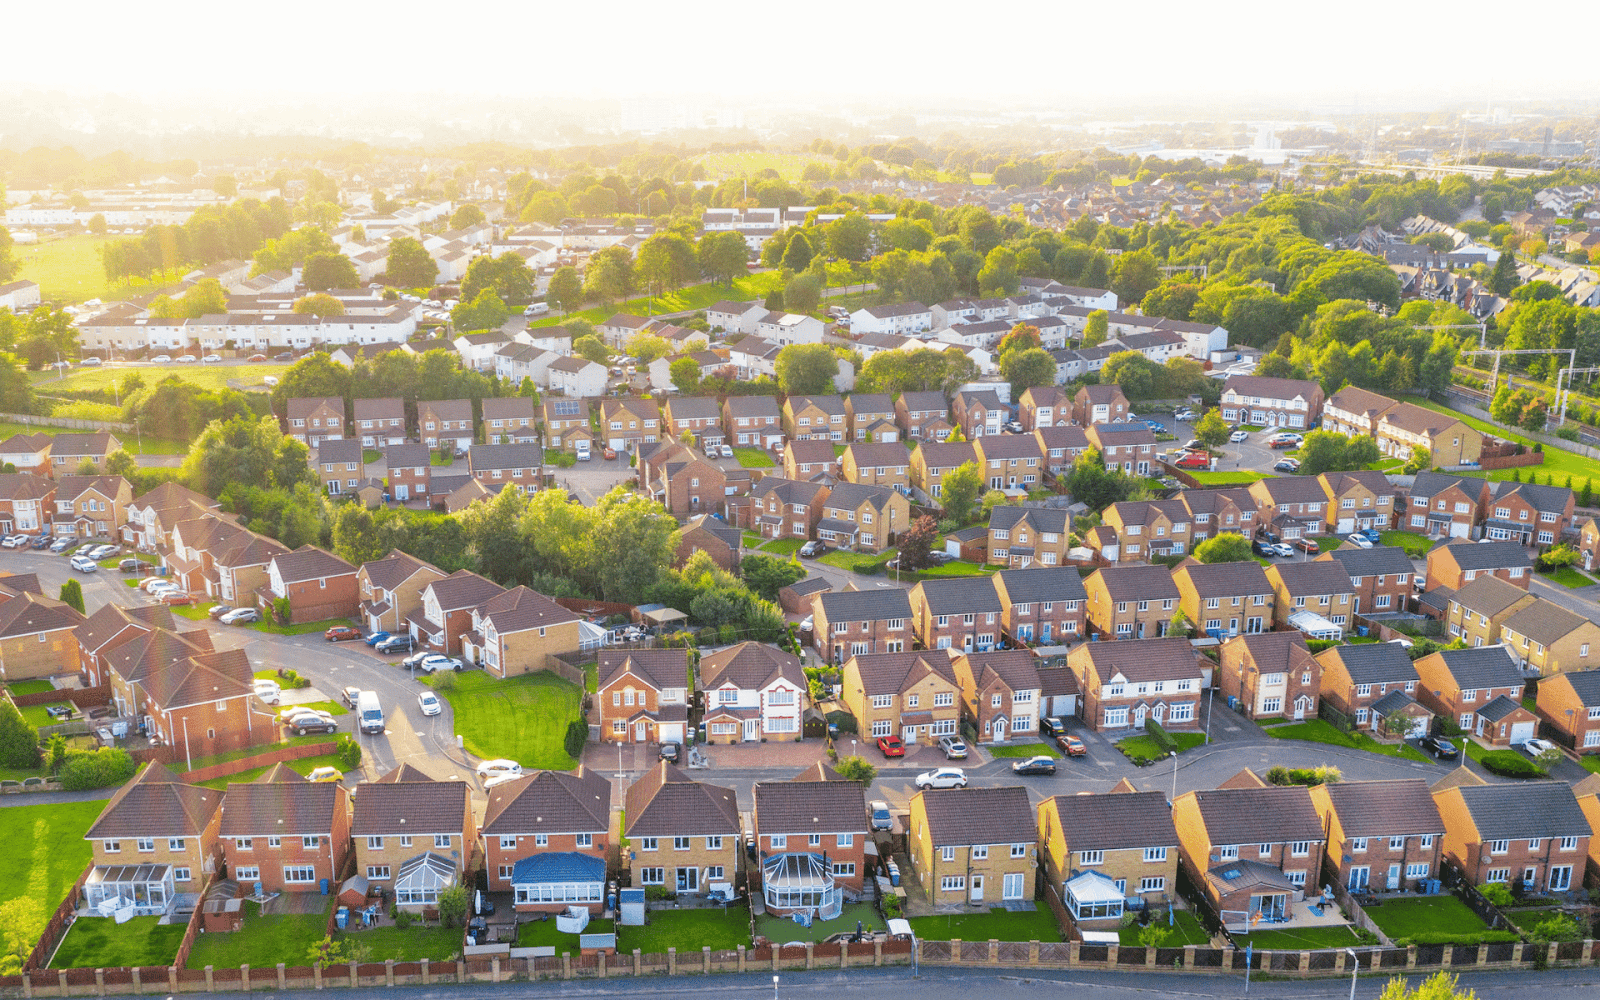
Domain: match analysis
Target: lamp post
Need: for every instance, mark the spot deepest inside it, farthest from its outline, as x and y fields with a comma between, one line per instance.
x=1211, y=706
x=774, y=988
x=1174, y=756
x=1354, y=969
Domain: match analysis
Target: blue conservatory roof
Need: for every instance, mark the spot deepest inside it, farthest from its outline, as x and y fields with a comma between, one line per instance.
x=558, y=866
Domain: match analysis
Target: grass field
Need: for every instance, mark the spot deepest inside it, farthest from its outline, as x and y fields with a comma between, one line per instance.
x=1231, y=477
x=106, y=944
x=45, y=850
x=1415, y=545
x=689, y=931
x=150, y=445
x=70, y=270
x=1144, y=746
x=1317, y=731
x=303, y=766
x=782, y=546
x=1568, y=577
x=210, y=377
x=1557, y=462
x=523, y=718
x=999, y=925
x=753, y=458
x=1024, y=751
x=745, y=287
x=264, y=942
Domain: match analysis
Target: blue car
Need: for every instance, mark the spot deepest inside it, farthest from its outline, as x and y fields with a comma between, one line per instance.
x=375, y=638
x=1371, y=535
x=42, y=542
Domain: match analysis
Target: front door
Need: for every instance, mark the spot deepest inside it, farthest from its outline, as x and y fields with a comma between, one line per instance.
x=752, y=729
x=1302, y=705
x=908, y=735
x=977, y=889
x=1394, y=876
x=1138, y=717
x=966, y=643
x=1358, y=879
x=1013, y=886
x=999, y=729
x=641, y=731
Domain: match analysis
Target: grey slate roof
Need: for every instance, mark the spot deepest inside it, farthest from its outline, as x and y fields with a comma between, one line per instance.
x=1036, y=586
x=1499, y=708
x=1117, y=821
x=1392, y=702
x=1270, y=815
x=1428, y=484
x=1143, y=660
x=549, y=802
x=805, y=807
x=1401, y=807
x=866, y=605
x=1586, y=684
x=1543, y=498
x=1380, y=560
x=1525, y=809
x=1544, y=622
x=411, y=807
x=1235, y=579
x=1138, y=583
x=1488, y=555
x=1482, y=667
x=1374, y=663
x=960, y=595
x=961, y=816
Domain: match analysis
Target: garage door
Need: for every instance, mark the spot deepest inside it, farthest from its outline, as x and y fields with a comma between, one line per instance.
x=1521, y=732
x=1346, y=525
x=1458, y=530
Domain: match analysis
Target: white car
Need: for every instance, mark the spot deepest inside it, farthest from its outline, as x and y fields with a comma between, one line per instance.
x=211, y=359
x=294, y=712
x=13, y=541
x=1535, y=748
x=161, y=359
x=1238, y=436
x=1360, y=541
x=187, y=359
x=498, y=766
x=83, y=564
x=490, y=784
x=438, y=661
x=942, y=777
x=430, y=703
x=268, y=691
x=269, y=380
x=91, y=361
x=240, y=616
x=725, y=450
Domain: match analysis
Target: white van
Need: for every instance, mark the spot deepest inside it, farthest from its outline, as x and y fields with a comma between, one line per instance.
x=581, y=448
x=369, y=712
x=536, y=309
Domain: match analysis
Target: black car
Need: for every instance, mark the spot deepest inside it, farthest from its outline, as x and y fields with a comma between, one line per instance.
x=1441, y=748
x=1034, y=765
x=312, y=724
x=285, y=356
x=668, y=752
x=394, y=644
x=1053, y=725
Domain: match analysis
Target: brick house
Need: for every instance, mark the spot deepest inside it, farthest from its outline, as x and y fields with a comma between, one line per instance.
x=111, y=626
x=1129, y=447
x=38, y=634
x=1380, y=577
x=566, y=422
x=863, y=518
x=871, y=417
x=150, y=517
x=1146, y=528
x=1471, y=687
x=973, y=845
x=1124, y=684
x=684, y=833
x=1131, y=602
x=1531, y=832
x=1449, y=441
x=1477, y=612
x=1290, y=506
x=1526, y=512
x=786, y=508
x=814, y=418
x=513, y=631
x=753, y=421
x=1100, y=404
x=1456, y=564
x=445, y=423
x=1270, y=675
x=198, y=699
x=317, y=583
x=27, y=502
x=312, y=421
x=1251, y=850
x=1355, y=678
x=1020, y=537
x=28, y=452
x=1383, y=836
x=379, y=422
x=391, y=590
x=1009, y=461
x=978, y=413
x=699, y=416
x=1321, y=588
x=410, y=471
x=851, y=622
x=933, y=459
x=1361, y=499
x=817, y=813
x=1125, y=837
x=877, y=464
x=1548, y=639
x=1225, y=598
x=398, y=824
x=752, y=692
x=1061, y=445
x=688, y=485
x=213, y=556
x=1569, y=705
x=1271, y=402
x=1000, y=693
x=340, y=465
x=514, y=420
x=155, y=838
x=1588, y=543
x=68, y=452
x=723, y=542
x=90, y=506
x=499, y=465
x=809, y=460
x=285, y=832
x=446, y=610
x=643, y=695
x=956, y=613
x=1042, y=604
x=546, y=811
x=627, y=422
x=1216, y=512
x=915, y=696
x=919, y=413
x=1352, y=411
x=1442, y=506
x=1047, y=406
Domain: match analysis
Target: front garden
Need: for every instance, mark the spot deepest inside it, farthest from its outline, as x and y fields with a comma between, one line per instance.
x=522, y=718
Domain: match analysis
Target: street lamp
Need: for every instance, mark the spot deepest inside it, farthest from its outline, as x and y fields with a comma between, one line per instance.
x=774, y=988
x=1357, y=968
x=1174, y=755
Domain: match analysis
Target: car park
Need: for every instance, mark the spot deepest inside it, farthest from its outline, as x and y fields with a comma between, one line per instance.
x=1360, y=541
x=341, y=633
x=878, y=815
x=497, y=766
x=954, y=747
x=1239, y=436
x=241, y=616
x=83, y=564
x=1035, y=765
x=891, y=746
x=1071, y=746
x=429, y=703
x=942, y=777
x=1441, y=748
x=1538, y=747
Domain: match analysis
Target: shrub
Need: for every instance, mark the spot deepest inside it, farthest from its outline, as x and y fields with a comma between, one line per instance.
x=19, y=742
x=84, y=769
x=1162, y=739
x=348, y=751
x=453, y=906
x=1510, y=764
x=404, y=918
x=442, y=680
x=577, y=736
x=1567, y=433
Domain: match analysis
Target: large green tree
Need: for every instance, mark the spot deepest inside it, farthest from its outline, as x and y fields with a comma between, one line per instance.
x=409, y=264
x=610, y=276
x=330, y=270
x=507, y=275
x=723, y=256
x=565, y=291
x=958, y=491
x=807, y=369
x=1027, y=368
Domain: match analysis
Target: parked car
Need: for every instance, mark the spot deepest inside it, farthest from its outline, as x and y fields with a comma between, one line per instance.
x=325, y=773
x=940, y=558
x=609, y=453
x=669, y=752
x=314, y=724
x=256, y=357
x=1183, y=415
x=879, y=817
x=1360, y=541
x=161, y=359
x=497, y=766
x=375, y=638
x=1052, y=725
x=1193, y=460
x=129, y=566
x=1239, y=436
x=1284, y=550
x=430, y=704
x=1290, y=465
x=293, y=712
x=415, y=659
x=812, y=549
x=394, y=644
x=173, y=598
x=1441, y=748
x=61, y=544
x=438, y=661
x=13, y=541
x=1194, y=444
x=187, y=359
x=268, y=691
x=211, y=359
x=241, y=616
x=891, y=746
x=1371, y=535
x=1537, y=747
x=1071, y=746
x=1035, y=765
x=725, y=450
x=83, y=564
x=350, y=695
x=954, y=748
x=1014, y=426
x=942, y=777
x=103, y=552
x=1306, y=545
x=341, y=633
x=1284, y=441
x=42, y=542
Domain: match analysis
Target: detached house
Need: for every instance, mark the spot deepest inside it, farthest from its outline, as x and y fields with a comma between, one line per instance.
x=1386, y=836
x=872, y=417
x=1000, y=691
x=497, y=466
x=933, y=459
x=1146, y=528
x=413, y=837
x=380, y=422
x=285, y=832
x=1047, y=406
x=863, y=518
x=684, y=834
x=810, y=839
x=1569, y=704
x=1443, y=506
x=1098, y=404
x=1357, y=679
x=1532, y=832
x=686, y=484
x=627, y=423
x=1456, y=564
x=1526, y=512
x=1550, y=639
x=1380, y=577
x=1215, y=512
x=643, y=695
x=1020, y=537
x=1131, y=602
x=38, y=634
x=1101, y=850
x=852, y=622
x=1043, y=604
x=810, y=460
x=340, y=465
x=1123, y=684
x=68, y=452
x=1225, y=598
x=391, y=590
x=785, y=508
x=445, y=423
x=1290, y=506
x=752, y=692
x=1061, y=445
x=915, y=696
x=157, y=837
x=1361, y=499
x=1477, y=612
x=557, y=815
x=1270, y=675
x=27, y=502
x=923, y=416
x=979, y=413
x=513, y=631
x=566, y=422
x=410, y=470
x=753, y=422
x=814, y=418
x=1009, y=461
x=973, y=845
x=1129, y=447
x=317, y=584
x=698, y=416
x=90, y=506
x=1479, y=690
x=956, y=613
x=1252, y=851
x=513, y=420
x=887, y=464
x=446, y=611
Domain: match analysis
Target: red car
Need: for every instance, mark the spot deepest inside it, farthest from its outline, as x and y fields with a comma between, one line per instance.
x=175, y=598
x=891, y=746
x=1193, y=460
x=339, y=633
x=1306, y=545
x=1071, y=745
x=610, y=453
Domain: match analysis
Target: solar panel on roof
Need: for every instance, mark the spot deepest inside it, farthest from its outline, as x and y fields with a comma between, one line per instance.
x=566, y=407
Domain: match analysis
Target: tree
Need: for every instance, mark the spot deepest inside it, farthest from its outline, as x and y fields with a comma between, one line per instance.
x=1226, y=547
x=766, y=575
x=610, y=275
x=589, y=346
x=565, y=291
x=1091, y=483
x=72, y=595
x=19, y=742
x=666, y=260
x=849, y=237
x=486, y=312
x=685, y=374
x=797, y=255
x=97, y=224
x=330, y=270
x=1023, y=335
x=1421, y=459
x=998, y=276
x=807, y=369
x=723, y=255
x=453, y=906
x=409, y=264
x=1439, y=986
x=507, y=275
x=320, y=304
x=1095, y=327
x=633, y=539
x=1327, y=451
x=9, y=265
x=917, y=541
x=647, y=347
x=1134, y=275
x=1027, y=368
x=467, y=215
x=1211, y=430
x=802, y=293
x=1131, y=370
x=959, y=491
x=855, y=768
x=121, y=463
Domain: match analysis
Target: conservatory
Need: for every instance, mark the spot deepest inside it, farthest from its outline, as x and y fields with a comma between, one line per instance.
x=1093, y=896
x=801, y=883
x=421, y=879
x=111, y=890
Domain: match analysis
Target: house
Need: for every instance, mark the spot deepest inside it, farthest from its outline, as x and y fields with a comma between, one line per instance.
x=1009, y=461
x=718, y=539
x=38, y=634
x=871, y=417
x=69, y=452
x=90, y=506
x=1251, y=850
x=111, y=625
x=1225, y=598
x=1020, y=537
x=1456, y=564
x=1361, y=499
x=1272, y=402
x=27, y=452
x=191, y=696
x=27, y=502
x=1000, y=692
x=752, y=422
x=1129, y=447
x=1060, y=445
x=1042, y=604
x=445, y=614
x=957, y=613
x=1047, y=406
x=1100, y=850
x=920, y=413
x=1383, y=836
x=1477, y=612
x=731, y=317
x=1526, y=512
x=698, y=416
x=863, y=518
x=1122, y=685
x=786, y=508
x=513, y=420
x=814, y=418
x=643, y=695
x=1144, y=529
x=410, y=470
x=380, y=422
x=577, y=377
x=1380, y=577
x=515, y=630
x=1529, y=832
x=752, y=692
x=1356, y=678
x=1318, y=588
x=1215, y=512
x=1289, y=506
x=1588, y=543
x=214, y=556
x=874, y=464
x=1352, y=411
x=391, y=590
x=903, y=317
x=978, y=412
x=1443, y=506
x=626, y=423
x=285, y=832
x=563, y=815
x=1479, y=690
x=317, y=584
x=810, y=841
x=915, y=696
x=340, y=465
x=810, y=459
x=1546, y=638
x=933, y=459
x=973, y=845
x=566, y=422
x=1569, y=706
x=155, y=838
x=1448, y=440
x=621, y=327
x=686, y=484
x=1131, y=602
x=413, y=838
x=1270, y=675
x=684, y=834
x=518, y=363
x=1098, y=404
x=852, y=622
x=445, y=424
x=150, y=517
x=499, y=465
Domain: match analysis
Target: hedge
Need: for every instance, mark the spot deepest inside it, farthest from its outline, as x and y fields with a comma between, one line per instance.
x=1162, y=738
x=1510, y=764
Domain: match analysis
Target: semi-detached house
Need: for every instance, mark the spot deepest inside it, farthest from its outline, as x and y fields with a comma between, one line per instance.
x=684, y=834
x=849, y=623
x=1000, y=690
x=413, y=837
x=957, y=613
x=317, y=584
x=285, y=832
x=513, y=631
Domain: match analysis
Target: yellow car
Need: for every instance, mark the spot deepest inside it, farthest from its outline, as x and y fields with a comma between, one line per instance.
x=325, y=774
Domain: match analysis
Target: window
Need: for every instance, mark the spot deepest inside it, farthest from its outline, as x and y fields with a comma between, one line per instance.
x=299, y=873
x=244, y=843
x=1155, y=854
x=405, y=841
x=175, y=843
x=953, y=883
x=780, y=842
x=1092, y=858
x=111, y=846
x=1569, y=843
x=1499, y=846
x=247, y=873
x=310, y=843
x=980, y=852
x=506, y=843
x=844, y=867
x=1296, y=877
x=1153, y=884
x=1358, y=845
x=713, y=843
x=1228, y=852
x=539, y=840
x=181, y=875
x=1498, y=875
x=376, y=843
x=377, y=872
x=652, y=876
x=680, y=843
x=146, y=844
x=649, y=844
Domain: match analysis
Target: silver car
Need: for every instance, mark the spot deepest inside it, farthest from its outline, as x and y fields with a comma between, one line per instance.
x=954, y=748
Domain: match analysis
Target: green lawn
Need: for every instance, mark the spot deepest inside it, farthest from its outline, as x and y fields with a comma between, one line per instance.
x=298, y=628
x=1590, y=762
x=523, y=718
x=1432, y=920
x=411, y=944
x=1232, y=477
x=1415, y=545
x=543, y=934
x=1144, y=746
x=1024, y=750
x=144, y=557
x=1000, y=925
x=745, y=287
x=1186, y=929
x=38, y=715
x=957, y=568
x=29, y=687
x=331, y=707
x=435, y=458
x=783, y=931
x=209, y=377
x=47, y=851
x=1568, y=577
x=847, y=560
x=133, y=445
x=1385, y=465
x=1306, y=938
x=753, y=458
x=263, y=943
x=1318, y=731
x=69, y=269
x=1557, y=462
x=783, y=546
x=302, y=766
x=1525, y=919
x=370, y=455
x=102, y=943
x=688, y=931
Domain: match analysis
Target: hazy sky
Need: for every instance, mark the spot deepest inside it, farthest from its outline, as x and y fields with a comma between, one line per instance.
x=1287, y=54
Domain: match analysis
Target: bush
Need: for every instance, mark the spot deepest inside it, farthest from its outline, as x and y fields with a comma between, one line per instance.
x=404, y=918
x=102, y=768
x=1510, y=764
x=348, y=751
x=1567, y=433
x=1162, y=739
x=442, y=680
x=1497, y=893
x=577, y=736
x=19, y=742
